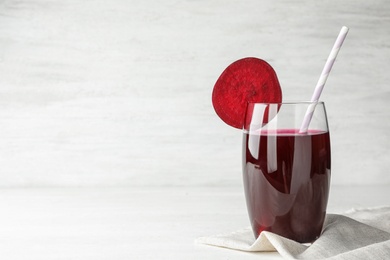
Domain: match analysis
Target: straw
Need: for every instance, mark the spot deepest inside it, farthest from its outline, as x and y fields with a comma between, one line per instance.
x=322, y=80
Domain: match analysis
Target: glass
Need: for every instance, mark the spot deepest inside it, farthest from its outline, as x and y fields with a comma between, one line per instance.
x=286, y=172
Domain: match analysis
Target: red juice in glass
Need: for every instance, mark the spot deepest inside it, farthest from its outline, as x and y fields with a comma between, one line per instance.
x=286, y=178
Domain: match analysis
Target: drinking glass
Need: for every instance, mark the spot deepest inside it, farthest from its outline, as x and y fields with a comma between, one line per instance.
x=286, y=170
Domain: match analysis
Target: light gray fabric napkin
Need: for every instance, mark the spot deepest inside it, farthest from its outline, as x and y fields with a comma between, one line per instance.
x=358, y=234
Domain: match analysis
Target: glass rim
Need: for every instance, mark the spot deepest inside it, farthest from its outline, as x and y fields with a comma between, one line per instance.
x=292, y=102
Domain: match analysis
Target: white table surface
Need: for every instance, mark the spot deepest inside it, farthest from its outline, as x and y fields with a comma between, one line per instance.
x=137, y=222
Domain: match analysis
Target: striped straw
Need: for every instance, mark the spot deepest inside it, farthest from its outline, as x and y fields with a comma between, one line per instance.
x=322, y=80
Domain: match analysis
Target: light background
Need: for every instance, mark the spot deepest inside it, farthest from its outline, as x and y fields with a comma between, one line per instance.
x=96, y=93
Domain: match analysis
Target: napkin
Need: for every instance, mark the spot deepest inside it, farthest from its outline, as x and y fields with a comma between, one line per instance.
x=357, y=234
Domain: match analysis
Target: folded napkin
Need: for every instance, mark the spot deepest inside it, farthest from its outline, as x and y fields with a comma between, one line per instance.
x=358, y=234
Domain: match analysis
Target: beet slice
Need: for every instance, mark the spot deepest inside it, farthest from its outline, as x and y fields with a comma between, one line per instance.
x=245, y=80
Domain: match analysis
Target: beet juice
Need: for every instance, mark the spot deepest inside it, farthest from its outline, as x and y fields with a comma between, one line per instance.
x=286, y=179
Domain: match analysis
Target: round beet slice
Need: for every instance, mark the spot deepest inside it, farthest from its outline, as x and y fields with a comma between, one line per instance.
x=245, y=80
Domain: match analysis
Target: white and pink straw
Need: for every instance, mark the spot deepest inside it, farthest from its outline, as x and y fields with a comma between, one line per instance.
x=322, y=80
